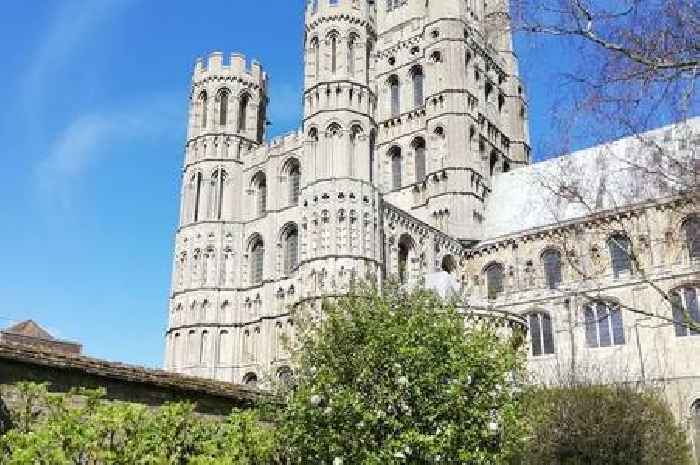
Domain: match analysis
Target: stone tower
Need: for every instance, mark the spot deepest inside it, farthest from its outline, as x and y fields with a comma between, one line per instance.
x=449, y=112
x=410, y=109
x=226, y=124
x=340, y=226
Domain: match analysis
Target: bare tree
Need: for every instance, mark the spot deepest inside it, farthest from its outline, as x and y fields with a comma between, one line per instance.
x=637, y=67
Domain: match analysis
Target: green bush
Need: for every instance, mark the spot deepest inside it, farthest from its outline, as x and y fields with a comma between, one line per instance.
x=611, y=425
x=396, y=379
x=81, y=427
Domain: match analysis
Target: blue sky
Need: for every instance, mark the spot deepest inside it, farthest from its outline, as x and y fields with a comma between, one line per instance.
x=94, y=99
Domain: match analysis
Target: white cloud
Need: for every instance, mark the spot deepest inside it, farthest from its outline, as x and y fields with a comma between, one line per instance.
x=87, y=139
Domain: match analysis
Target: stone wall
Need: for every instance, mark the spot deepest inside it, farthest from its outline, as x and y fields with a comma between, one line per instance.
x=121, y=382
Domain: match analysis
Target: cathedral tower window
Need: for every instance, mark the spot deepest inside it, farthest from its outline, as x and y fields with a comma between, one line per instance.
x=257, y=258
x=419, y=148
x=244, y=100
x=355, y=133
x=448, y=264
x=223, y=98
x=620, y=250
x=551, y=260
x=604, y=325
x=316, y=51
x=291, y=248
x=197, y=195
x=293, y=172
x=395, y=92
x=218, y=184
x=333, y=38
x=684, y=303
x=406, y=246
x=203, y=106
x=396, y=168
x=260, y=191
x=352, y=44
x=418, y=84
x=691, y=230
x=493, y=162
x=541, y=334
x=250, y=379
x=494, y=280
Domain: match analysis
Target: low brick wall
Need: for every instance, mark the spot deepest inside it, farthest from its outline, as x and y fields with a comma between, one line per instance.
x=121, y=382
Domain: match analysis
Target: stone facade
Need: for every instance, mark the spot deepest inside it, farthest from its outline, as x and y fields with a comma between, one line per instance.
x=409, y=113
x=413, y=158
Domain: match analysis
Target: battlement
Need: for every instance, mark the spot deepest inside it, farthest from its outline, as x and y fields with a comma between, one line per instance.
x=281, y=144
x=237, y=67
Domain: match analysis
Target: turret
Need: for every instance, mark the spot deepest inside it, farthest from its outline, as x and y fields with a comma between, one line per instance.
x=228, y=98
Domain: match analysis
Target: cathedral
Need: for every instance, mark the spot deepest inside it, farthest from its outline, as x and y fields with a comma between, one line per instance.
x=413, y=163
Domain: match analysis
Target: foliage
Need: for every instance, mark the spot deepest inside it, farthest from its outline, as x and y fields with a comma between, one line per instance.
x=614, y=425
x=83, y=428
x=397, y=379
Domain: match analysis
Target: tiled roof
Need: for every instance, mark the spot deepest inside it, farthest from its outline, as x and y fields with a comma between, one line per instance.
x=29, y=328
x=126, y=373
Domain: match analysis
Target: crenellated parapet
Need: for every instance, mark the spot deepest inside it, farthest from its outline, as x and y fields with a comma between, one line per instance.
x=237, y=69
x=228, y=97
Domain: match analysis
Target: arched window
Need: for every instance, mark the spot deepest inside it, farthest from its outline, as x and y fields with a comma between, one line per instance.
x=395, y=92
x=257, y=257
x=494, y=280
x=448, y=264
x=493, y=162
x=405, y=247
x=691, y=230
x=291, y=249
x=418, y=83
x=250, y=379
x=355, y=132
x=419, y=148
x=197, y=195
x=333, y=37
x=395, y=155
x=204, y=349
x=293, y=172
x=218, y=183
x=223, y=107
x=620, y=250
x=604, y=325
x=243, y=112
x=316, y=50
x=204, y=106
x=541, y=334
x=352, y=43
x=551, y=259
x=260, y=191
x=686, y=314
